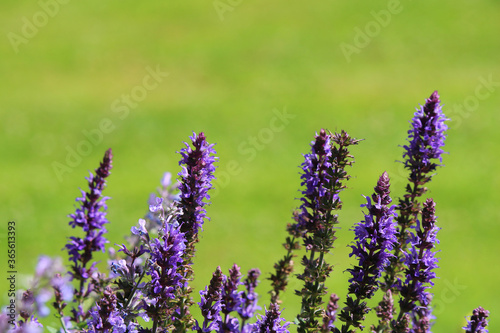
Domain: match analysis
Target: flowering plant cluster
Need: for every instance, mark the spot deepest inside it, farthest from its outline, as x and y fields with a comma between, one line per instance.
x=148, y=285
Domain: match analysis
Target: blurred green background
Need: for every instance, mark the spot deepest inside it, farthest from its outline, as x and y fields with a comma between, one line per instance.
x=233, y=66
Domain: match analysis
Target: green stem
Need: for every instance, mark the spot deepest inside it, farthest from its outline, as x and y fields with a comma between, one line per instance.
x=63, y=324
x=155, y=325
x=134, y=290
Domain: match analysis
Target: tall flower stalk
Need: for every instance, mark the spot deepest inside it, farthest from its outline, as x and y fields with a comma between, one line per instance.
x=323, y=177
x=375, y=239
x=195, y=181
x=165, y=270
x=211, y=304
x=249, y=297
x=421, y=262
x=422, y=156
x=91, y=218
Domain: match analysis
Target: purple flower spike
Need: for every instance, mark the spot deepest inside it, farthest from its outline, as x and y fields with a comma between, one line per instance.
x=420, y=261
x=478, y=321
x=271, y=322
x=316, y=179
x=102, y=313
x=375, y=239
x=231, y=297
x=196, y=176
x=323, y=177
x=426, y=138
x=330, y=313
x=91, y=217
x=249, y=303
x=210, y=303
x=164, y=268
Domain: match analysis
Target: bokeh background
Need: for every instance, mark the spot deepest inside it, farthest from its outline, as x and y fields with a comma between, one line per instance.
x=259, y=78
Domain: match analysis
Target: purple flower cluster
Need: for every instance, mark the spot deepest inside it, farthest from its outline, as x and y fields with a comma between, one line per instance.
x=231, y=298
x=106, y=318
x=90, y=217
x=196, y=176
x=27, y=322
x=222, y=298
x=330, y=313
x=167, y=194
x=426, y=138
x=316, y=180
x=375, y=239
x=249, y=296
x=323, y=176
x=478, y=321
x=48, y=280
x=211, y=303
x=271, y=322
x=164, y=266
x=420, y=262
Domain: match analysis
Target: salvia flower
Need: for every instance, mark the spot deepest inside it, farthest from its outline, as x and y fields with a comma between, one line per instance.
x=375, y=239
x=196, y=177
x=330, y=313
x=231, y=297
x=48, y=278
x=426, y=138
x=316, y=181
x=478, y=321
x=211, y=304
x=249, y=296
x=164, y=268
x=385, y=313
x=271, y=322
x=4, y=322
x=420, y=262
x=423, y=321
x=105, y=317
x=91, y=218
x=31, y=325
x=422, y=155
x=323, y=177
x=103, y=312
x=168, y=193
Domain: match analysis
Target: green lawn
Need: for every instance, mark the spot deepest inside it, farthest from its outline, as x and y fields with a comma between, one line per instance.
x=230, y=72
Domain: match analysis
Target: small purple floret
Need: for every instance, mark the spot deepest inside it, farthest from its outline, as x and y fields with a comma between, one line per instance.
x=478, y=321
x=271, y=322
